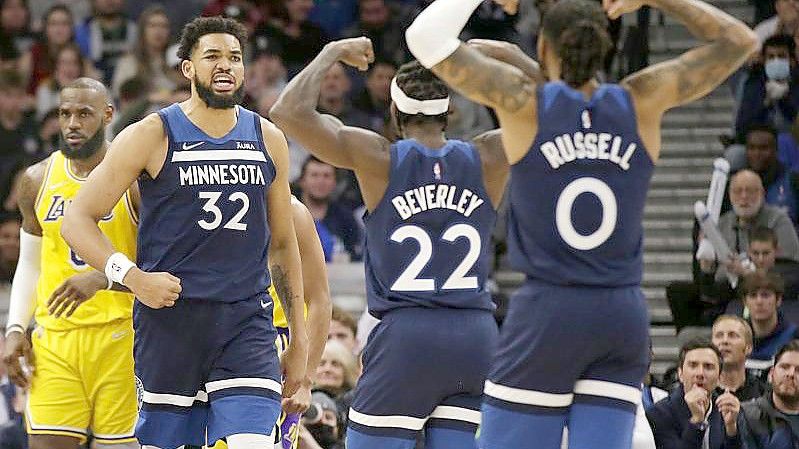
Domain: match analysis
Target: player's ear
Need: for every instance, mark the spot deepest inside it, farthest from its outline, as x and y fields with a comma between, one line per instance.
x=108, y=113
x=187, y=68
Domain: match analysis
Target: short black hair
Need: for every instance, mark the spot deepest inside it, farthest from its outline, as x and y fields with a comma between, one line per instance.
x=763, y=234
x=791, y=346
x=763, y=280
x=420, y=83
x=780, y=40
x=578, y=31
x=201, y=26
x=699, y=343
x=308, y=160
x=764, y=128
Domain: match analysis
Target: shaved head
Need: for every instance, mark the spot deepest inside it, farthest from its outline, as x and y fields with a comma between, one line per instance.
x=90, y=84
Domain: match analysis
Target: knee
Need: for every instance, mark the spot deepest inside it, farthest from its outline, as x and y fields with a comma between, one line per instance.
x=52, y=442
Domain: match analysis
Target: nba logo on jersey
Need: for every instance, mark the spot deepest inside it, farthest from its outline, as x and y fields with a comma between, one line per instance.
x=437, y=171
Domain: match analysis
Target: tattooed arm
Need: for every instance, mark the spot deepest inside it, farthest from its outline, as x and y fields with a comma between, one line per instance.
x=284, y=259
x=729, y=42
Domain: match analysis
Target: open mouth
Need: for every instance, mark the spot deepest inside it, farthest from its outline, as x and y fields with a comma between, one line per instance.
x=75, y=139
x=223, y=83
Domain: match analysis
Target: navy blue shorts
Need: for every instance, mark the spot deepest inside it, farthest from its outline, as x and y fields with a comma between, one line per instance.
x=423, y=367
x=560, y=341
x=206, y=366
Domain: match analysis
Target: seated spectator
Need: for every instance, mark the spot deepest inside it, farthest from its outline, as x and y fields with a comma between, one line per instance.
x=18, y=130
x=384, y=23
x=783, y=22
x=333, y=221
x=771, y=91
x=338, y=370
x=321, y=426
x=334, y=16
x=772, y=421
x=775, y=157
x=762, y=297
x=106, y=36
x=10, y=225
x=694, y=416
x=58, y=31
x=700, y=302
x=15, y=23
x=343, y=328
x=375, y=99
x=265, y=73
x=733, y=337
x=49, y=132
x=300, y=39
x=148, y=60
x=334, y=98
x=69, y=66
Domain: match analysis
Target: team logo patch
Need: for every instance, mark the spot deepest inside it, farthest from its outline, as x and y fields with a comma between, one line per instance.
x=437, y=172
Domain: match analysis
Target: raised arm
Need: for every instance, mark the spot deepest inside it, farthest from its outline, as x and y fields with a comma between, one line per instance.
x=433, y=40
x=284, y=259
x=139, y=148
x=323, y=135
x=694, y=74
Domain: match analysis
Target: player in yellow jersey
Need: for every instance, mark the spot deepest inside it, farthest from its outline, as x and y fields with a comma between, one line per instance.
x=79, y=367
x=317, y=313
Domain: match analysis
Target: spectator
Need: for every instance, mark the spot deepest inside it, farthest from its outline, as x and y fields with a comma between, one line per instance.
x=15, y=24
x=320, y=427
x=69, y=66
x=333, y=221
x=334, y=98
x=772, y=421
x=762, y=294
x=10, y=224
x=467, y=119
x=733, y=337
x=334, y=16
x=266, y=72
x=300, y=39
x=343, y=328
x=59, y=30
x=18, y=131
x=693, y=416
x=783, y=22
x=106, y=36
x=338, y=371
x=148, y=60
x=374, y=101
x=385, y=24
x=771, y=91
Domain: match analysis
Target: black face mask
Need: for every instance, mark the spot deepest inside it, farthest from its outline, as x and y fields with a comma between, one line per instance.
x=84, y=151
x=323, y=434
x=215, y=101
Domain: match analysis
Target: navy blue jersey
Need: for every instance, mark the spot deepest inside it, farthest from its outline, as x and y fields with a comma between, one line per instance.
x=428, y=240
x=577, y=196
x=203, y=218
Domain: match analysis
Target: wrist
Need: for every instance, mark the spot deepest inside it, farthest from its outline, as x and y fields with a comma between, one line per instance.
x=697, y=419
x=14, y=328
x=731, y=429
x=117, y=267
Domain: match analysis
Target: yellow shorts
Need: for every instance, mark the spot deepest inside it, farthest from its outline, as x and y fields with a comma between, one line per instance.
x=83, y=378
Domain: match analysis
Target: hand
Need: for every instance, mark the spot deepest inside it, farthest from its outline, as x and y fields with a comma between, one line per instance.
x=707, y=266
x=299, y=401
x=775, y=90
x=294, y=361
x=698, y=401
x=729, y=406
x=616, y=8
x=75, y=291
x=307, y=440
x=356, y=52
x=509, y=6
x=734, y=265
x=155, y=290
x=17, y=350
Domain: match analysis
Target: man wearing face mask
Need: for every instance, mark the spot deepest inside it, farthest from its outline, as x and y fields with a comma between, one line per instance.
x=770, y=93
x=320, y=424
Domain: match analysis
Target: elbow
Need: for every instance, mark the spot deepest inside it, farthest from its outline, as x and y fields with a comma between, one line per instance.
x=747, y=41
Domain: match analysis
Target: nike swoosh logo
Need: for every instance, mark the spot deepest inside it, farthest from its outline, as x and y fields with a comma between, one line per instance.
x=118, y=335
x=186, y=146
x=265, y=304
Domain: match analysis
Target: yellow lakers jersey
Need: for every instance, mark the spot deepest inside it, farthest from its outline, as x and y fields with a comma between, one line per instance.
x=278, y=315
x=59, y=262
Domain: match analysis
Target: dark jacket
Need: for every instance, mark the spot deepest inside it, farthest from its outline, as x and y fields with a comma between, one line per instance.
x=671, y=426
x=764, y=427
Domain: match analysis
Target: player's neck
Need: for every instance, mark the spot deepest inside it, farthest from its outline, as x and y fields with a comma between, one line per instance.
x=82, y=167
x=214, y=122
x=732, y=376
x=428, y=134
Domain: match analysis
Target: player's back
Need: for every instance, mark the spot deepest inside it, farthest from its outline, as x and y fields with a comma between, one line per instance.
x=577, y=197
x=203, y=217
x=428, y=240
x=59, y=262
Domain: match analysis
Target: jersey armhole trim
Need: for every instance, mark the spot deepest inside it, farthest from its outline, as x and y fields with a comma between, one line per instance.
x=46, y=179
x=162, y=114
x=134, y=217
x=259, y=136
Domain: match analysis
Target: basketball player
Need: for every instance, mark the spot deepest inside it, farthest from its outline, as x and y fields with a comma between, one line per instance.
x=215, y=197
x=431, y=208
x=574, y=345
x=81, y=364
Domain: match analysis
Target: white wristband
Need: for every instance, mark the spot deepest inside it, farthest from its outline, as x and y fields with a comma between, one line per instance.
x=15, y=328
x=116, y=267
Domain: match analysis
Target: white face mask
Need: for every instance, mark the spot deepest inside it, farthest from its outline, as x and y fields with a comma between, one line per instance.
x=778, y=69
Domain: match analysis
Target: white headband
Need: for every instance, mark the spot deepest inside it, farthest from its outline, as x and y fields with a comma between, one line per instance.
x=413, y=106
